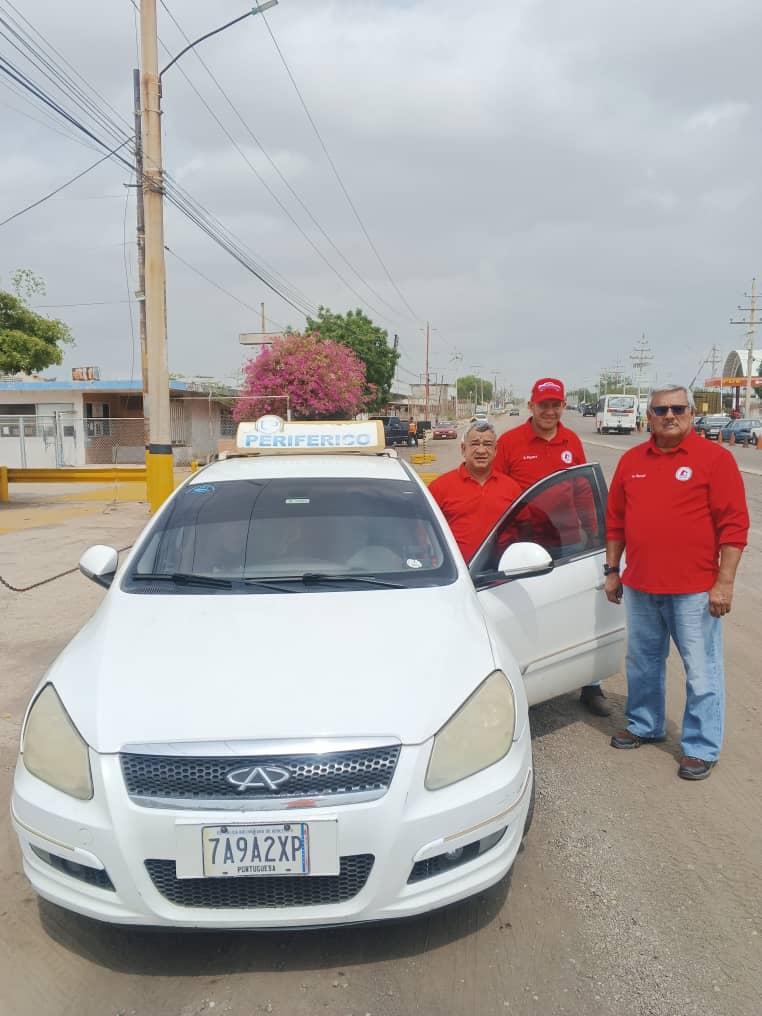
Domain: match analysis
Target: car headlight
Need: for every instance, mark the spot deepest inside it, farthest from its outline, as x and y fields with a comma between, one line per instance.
x=477, y=736
x=53, y=749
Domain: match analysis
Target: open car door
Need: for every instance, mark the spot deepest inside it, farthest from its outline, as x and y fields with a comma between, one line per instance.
x=559, y=626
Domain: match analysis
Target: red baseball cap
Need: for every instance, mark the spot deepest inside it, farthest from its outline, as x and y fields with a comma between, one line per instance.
x=548, y=388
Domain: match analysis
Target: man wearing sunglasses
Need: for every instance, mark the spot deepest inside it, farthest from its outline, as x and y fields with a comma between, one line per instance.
x=677, y=505
x=538, y=448
x=474, y=496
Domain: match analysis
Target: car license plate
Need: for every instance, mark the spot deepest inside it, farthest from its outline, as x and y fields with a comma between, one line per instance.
x=232, y=850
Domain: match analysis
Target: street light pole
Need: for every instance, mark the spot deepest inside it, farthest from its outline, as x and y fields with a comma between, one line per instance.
x=159, y=471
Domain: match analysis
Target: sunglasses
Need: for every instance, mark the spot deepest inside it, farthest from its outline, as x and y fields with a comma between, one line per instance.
x=663, y=410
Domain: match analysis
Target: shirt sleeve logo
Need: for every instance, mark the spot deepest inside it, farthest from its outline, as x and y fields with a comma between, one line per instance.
x=567, y=457
x=684, y=473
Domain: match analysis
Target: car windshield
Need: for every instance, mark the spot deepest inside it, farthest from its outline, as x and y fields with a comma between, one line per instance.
x=716, y=419
x=621, y=402
x=271, y=534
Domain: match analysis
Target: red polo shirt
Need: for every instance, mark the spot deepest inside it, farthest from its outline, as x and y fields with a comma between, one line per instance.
x=527, y=457
x=472, y=508
x=674, y=508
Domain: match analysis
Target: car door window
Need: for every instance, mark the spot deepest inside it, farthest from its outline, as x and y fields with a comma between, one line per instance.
x=564, y=513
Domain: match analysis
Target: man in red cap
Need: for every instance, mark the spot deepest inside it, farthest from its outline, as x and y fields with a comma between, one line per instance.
x=534, y=450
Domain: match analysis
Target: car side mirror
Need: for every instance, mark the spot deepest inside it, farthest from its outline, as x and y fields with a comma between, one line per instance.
x=99, y=563
x=523, y=560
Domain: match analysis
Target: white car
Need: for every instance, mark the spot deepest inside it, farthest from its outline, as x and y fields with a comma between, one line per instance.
x=296, y=704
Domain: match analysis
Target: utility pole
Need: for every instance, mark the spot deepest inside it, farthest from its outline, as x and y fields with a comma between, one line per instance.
x=141, y=245
x=641, y=357
x=159, y=472
x=751, y=322
x=426, y=385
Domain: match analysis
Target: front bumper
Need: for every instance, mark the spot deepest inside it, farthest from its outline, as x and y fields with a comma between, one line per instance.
x=110, y=839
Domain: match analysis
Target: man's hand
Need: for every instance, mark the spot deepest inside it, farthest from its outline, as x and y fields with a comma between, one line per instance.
x=720, y=598
x=613, y=588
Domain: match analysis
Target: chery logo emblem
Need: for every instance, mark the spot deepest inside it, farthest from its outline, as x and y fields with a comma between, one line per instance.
x=266, y=777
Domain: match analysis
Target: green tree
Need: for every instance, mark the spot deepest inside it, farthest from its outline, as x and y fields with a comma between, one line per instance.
x=478, y=389
x=370, y=343
x=28, y=341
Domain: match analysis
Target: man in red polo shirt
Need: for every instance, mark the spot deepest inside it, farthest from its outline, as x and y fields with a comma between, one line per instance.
x=677, y=504
x=542, y=445
x=474, y=496
x=534, y=450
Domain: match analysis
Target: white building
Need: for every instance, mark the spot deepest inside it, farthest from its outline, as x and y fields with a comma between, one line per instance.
x=77, y=423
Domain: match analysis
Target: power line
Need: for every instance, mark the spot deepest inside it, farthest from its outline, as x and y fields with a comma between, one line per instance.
x=72, y=180
x=174, y=194
x=336, y=173
x=262, y=180
x=217, y=285
x=278, y=171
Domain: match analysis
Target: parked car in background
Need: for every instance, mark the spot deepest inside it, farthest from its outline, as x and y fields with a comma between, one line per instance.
x=697, y=421
x=514, y=411
x=396, y=431
x=742, y=431
x=712, y=425
x=588, y=409
x=445, y=430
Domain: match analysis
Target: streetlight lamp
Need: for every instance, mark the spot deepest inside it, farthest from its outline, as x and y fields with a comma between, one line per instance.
x=159, y=472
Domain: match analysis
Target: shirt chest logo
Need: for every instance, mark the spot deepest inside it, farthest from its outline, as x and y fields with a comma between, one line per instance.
x=567, y=457
x=529, y=458
x=684, y=473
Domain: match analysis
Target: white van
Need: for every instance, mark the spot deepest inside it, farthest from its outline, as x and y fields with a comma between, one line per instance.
x=616, y=412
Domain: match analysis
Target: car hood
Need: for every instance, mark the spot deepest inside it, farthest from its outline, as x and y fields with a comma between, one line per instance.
x=155, y=668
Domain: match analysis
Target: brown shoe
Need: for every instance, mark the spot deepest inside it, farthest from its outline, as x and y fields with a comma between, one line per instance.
x=626, y=739
x=592, y=696
x=695, y=768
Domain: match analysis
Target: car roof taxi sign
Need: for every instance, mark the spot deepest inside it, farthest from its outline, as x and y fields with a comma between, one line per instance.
x=272, y=434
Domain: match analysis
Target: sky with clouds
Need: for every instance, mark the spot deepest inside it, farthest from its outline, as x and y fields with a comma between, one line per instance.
x=544, y=181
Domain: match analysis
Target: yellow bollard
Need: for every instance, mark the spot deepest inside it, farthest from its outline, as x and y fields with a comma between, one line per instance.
x=3, y=483
x=159, y=474
x=194, y=466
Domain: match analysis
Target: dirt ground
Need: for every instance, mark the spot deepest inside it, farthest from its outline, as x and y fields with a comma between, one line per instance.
x=637, y=893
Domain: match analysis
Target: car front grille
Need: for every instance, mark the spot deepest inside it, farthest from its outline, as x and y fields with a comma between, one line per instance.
x=253, y=891
x=189, y=779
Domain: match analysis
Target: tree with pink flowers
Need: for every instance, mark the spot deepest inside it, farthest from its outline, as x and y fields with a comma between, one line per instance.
x=324, y=380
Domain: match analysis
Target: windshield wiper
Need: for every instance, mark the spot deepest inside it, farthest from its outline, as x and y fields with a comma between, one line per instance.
x=184, y=579
x=318, y=578
x=274, y=584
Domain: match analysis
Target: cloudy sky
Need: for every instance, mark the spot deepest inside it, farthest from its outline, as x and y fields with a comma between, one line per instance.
x=543, y=180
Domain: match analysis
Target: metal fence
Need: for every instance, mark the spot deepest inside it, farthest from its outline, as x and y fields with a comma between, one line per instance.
x=63, y=439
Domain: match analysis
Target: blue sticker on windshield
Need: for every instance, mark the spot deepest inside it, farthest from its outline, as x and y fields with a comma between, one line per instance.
x=201, y=488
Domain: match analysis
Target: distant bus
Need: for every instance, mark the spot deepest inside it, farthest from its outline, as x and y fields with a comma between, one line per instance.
x=616, y=412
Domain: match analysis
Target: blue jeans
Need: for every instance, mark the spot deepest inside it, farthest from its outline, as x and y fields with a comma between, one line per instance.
x=651, y=619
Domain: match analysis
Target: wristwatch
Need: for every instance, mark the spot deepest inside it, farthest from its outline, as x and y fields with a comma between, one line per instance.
x=611, y=569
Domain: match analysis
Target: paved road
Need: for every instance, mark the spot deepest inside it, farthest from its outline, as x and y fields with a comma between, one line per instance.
x=637, y=893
